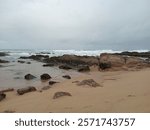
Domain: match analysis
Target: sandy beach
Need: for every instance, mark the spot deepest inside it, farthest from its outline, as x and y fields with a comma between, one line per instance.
x=119, y=91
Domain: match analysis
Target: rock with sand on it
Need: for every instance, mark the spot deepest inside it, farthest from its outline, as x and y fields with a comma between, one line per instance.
x=2, y=96
x=52, y=82
x=61, y=94
x=89, y=82
x=66, y=76
x=84, y=68
x=65, y=67
x=45, y=76
x=26, y=90
x=29, y=77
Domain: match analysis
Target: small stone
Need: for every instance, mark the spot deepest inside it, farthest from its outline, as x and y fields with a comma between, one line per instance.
x=61, y=94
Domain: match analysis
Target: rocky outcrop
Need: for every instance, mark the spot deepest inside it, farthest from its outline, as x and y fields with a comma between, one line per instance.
x=3, y=54
x=3, y=61
x=2, y=96
x=89, y=82
x=61, y=94
x=29, y=77
x=66, y=76
x=26, y=90
x=118, y=62
x=45, y=76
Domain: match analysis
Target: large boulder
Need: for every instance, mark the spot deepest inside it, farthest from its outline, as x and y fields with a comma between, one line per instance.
x=26, y=90
x=29, y=77
x=45, y=76
x=2, y=96
x=61, y=94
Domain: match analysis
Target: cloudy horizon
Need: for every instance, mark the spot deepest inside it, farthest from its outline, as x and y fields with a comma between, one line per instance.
x=75, y=24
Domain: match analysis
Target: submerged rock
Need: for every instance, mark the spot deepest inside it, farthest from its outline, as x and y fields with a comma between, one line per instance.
x=45, y=76
x=89, y=82
x=26, y=90
x=29, y=77
x=61, y=94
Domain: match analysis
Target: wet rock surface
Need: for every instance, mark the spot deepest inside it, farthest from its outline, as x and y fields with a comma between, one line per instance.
x=26, y=90
x=45, y=76
x=29, y=77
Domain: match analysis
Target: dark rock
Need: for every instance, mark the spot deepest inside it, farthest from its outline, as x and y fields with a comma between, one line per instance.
x=20, y=61
x=29, y=77
x=3, y=54
x=66, y=76
x=3, y=61
x=9, y=111
x=35, y=57
x=61, y=94
x=66, y=67
x=84, y=68
x=48, y=65
x=7, y=90
x=45, y=76
x=28, y=62
x=89, y=82
x=52, y=82
x=2, y=96
x=105, y=65
x=26, y=90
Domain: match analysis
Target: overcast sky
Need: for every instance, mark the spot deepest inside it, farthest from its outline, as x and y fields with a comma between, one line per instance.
x=75, y=24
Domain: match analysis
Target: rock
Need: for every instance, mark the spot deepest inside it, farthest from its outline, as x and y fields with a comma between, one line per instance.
x=66, y=67
x=46, y=87
x=45, y=76
x=66, y=77
x=52, y=82
x=28, y=62
x=26, y=90
x=3, y=61
x=105, y=65
x=7, y=90
x=20, y=61
x=35, y=57
x=9, y=111
x=48, y=65
x=2, y=96
x=61, y=94
x=84, y=68
x=89, y=82
x=29, y=77
x=3, y=54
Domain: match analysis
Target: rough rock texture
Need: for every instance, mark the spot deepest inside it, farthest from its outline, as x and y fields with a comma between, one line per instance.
x=89, y=82
x=61, y=94
x=2, y=96
x=45, y=76
x=111, y=61
x=29, y=77
x=26, y=90
x=66, y=76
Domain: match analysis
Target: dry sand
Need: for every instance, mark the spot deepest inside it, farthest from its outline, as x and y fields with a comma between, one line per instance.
x=122, y=91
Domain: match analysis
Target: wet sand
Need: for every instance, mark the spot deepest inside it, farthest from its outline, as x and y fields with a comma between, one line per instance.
x=121, y=91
